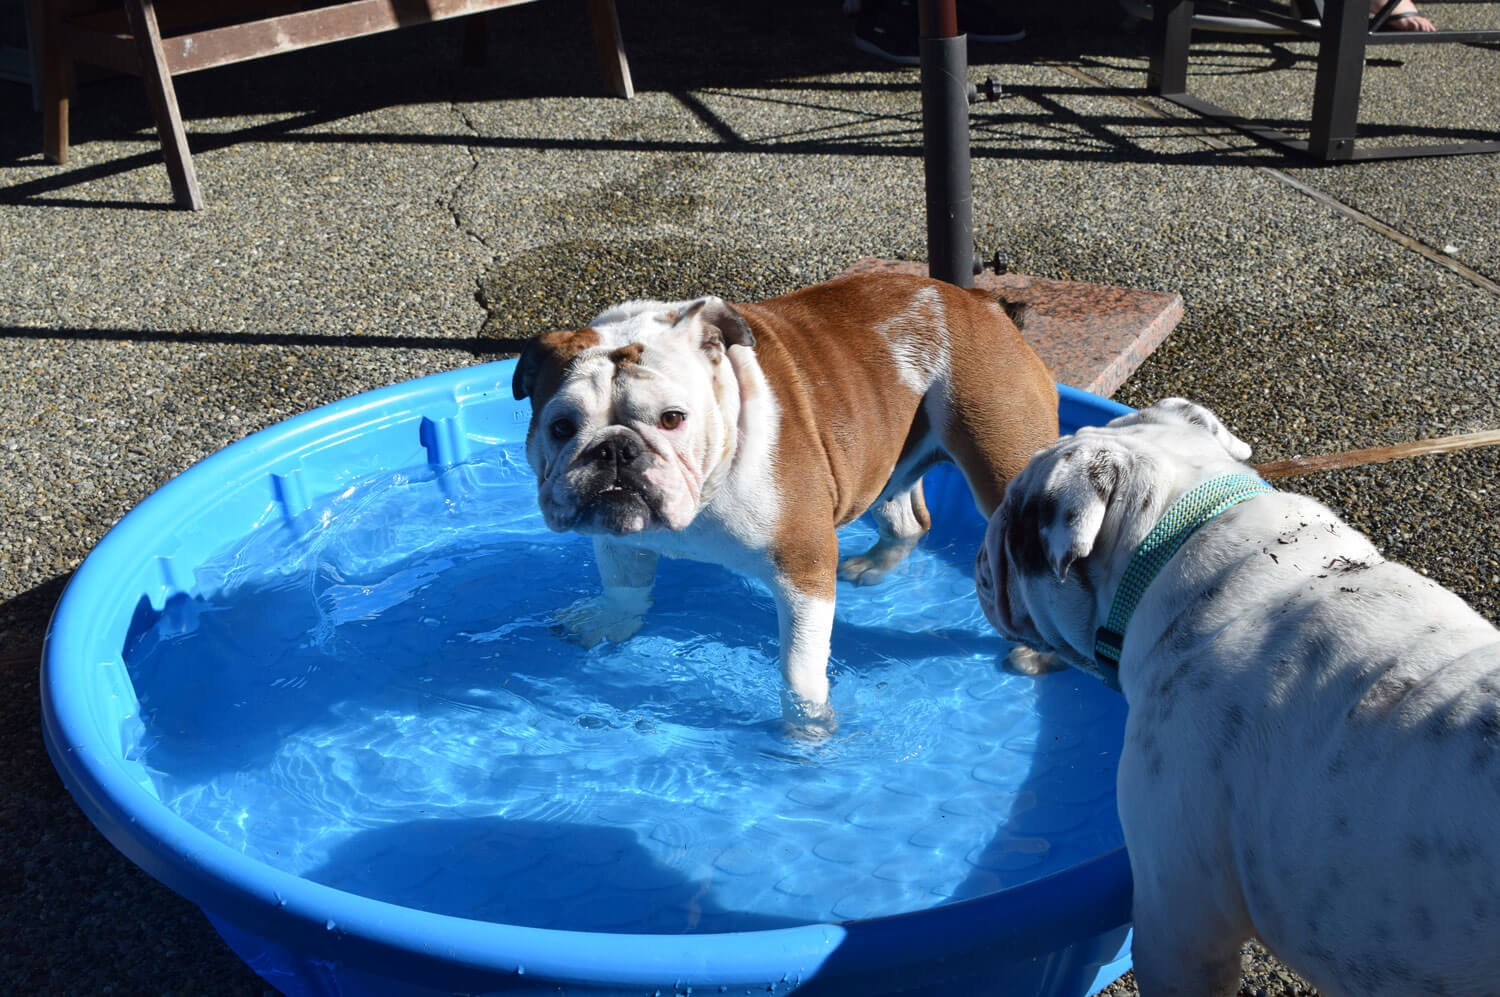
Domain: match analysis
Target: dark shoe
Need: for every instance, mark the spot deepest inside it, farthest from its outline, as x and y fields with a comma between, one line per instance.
x=980, y=22
x=889, y=30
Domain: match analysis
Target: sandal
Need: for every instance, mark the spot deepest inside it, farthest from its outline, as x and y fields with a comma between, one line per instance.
x=1390, y=21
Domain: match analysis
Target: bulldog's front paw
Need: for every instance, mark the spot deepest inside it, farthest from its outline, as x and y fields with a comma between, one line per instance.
x=807, y=721
x=614, y=615
x=1025, y=661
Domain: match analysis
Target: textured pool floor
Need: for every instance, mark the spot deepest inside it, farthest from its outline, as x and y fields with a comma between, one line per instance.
x=376, y=698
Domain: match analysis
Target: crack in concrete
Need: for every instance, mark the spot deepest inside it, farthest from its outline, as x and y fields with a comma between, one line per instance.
x=452, y=204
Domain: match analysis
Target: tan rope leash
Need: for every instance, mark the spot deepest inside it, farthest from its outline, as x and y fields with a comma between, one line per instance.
x=1377, y=455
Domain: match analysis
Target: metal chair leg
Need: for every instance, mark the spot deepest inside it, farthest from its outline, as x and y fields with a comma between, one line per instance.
x=1341, y=67
x=1171, y=31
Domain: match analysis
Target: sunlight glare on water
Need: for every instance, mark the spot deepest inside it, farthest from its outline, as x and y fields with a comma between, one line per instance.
x=375, y=697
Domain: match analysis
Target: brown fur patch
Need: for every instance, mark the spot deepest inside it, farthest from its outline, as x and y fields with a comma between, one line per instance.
x=630, y=354
x=545, y=359
x=846, y=418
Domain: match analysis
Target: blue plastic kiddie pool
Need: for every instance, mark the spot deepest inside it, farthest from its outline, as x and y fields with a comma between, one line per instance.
x=314, y=684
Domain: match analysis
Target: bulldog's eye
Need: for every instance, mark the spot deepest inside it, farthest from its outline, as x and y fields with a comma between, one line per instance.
x=671, y=419
x=562, y=429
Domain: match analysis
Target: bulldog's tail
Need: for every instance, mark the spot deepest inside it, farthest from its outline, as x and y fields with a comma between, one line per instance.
x=1015, y=309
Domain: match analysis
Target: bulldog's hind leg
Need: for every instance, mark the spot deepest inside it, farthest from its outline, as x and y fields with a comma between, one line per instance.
x=901, y=520
x=804, y=591
x=1187, y=918
x=994, y=414
x=1182, y=958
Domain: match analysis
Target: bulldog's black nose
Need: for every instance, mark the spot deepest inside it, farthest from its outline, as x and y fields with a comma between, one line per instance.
x=617, y=450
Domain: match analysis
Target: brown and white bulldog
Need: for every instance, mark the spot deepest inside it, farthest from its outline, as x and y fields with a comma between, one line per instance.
x=745, y=435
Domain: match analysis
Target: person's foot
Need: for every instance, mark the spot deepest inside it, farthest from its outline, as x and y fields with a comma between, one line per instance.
x=1406, y=17
x=889, y=30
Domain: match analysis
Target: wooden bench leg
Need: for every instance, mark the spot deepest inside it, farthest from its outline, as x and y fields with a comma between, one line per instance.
x=54, y=79
x=609, y=47
x=158, y=79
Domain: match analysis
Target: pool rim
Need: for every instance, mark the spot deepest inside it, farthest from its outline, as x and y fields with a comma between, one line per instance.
x=1088, y=898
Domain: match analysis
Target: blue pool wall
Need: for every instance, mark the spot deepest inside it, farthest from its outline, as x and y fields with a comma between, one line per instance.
x=1064, y=934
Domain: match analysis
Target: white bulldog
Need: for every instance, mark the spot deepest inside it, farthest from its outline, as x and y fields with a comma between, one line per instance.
x=1312, y=750
x=745, y=435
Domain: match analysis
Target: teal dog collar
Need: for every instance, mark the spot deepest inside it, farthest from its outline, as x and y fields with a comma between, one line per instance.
x=1196, y=507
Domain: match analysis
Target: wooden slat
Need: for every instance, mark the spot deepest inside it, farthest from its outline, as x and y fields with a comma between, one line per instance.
x=1377, y=455
x=233, y=43
x=27, y=659
x=112, y=50
x=201, y=34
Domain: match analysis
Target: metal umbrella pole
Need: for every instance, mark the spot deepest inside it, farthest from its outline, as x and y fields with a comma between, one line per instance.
x=945, y=143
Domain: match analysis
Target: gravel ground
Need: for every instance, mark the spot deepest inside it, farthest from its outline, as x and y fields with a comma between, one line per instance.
x=367, y=225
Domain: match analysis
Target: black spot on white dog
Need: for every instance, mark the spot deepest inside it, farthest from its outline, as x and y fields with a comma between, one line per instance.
x=1023, y=535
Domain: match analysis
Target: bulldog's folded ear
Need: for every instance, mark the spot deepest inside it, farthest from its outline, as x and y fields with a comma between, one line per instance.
x=717, y=324
x=1059, y=523
x=1186, y=413
x=548, y=354
x=524, y=379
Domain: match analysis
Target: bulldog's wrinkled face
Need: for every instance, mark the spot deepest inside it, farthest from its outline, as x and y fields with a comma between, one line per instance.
x=1055, y=550
x=632, y=415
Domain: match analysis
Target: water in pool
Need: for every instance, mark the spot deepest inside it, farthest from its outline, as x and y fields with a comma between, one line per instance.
x=374, y=697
